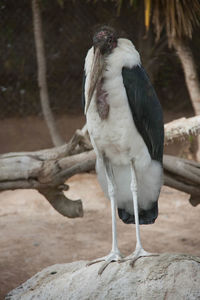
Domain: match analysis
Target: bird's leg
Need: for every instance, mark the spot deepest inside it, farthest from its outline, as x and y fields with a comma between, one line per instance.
x=139, y=251
x=111, y=192
x=115, y=254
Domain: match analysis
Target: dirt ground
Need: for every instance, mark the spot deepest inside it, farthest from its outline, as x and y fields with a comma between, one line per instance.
x=33, y=235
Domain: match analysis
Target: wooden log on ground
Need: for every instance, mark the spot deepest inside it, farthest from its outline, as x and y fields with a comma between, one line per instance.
x=182, y=128
x=47, y=170
x=183, y=175
x=47, y=176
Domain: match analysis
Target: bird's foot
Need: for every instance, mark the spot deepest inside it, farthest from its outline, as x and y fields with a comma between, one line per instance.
x=111, y=257
x=138, y=253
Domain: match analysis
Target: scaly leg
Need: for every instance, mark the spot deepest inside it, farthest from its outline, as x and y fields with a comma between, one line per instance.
x=139, y=251
x=115, y=254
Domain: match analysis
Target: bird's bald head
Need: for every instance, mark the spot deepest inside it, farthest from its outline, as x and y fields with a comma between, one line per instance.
x=105, y=38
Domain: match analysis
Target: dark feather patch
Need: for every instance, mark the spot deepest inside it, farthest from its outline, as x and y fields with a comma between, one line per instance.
x=145, y=216
x=146, y=109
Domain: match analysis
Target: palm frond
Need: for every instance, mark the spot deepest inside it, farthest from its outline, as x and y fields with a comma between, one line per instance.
x=119, y=5
x=179, y=17
x=147, y=5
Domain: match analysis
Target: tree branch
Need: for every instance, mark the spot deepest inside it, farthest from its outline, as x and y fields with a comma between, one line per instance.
x=47, y=176
x=182, y=128
x=47, y=170
x=183, y=175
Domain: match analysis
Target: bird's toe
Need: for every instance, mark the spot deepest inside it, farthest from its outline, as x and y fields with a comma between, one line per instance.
x=138, y=254
x=111, y=257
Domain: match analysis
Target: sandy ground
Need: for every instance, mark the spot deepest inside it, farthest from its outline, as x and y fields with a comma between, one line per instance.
x=31, y=133
x=33, y=235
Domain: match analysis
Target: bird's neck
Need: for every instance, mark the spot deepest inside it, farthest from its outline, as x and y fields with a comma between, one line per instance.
x=102, y=100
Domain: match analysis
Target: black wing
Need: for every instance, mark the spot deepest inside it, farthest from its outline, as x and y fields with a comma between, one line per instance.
x=83, y=91
x=146, y=109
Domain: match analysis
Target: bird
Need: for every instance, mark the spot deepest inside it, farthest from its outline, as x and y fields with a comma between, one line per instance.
x=125, y=123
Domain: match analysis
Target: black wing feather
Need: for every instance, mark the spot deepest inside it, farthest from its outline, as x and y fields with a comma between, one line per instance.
x=146, y=109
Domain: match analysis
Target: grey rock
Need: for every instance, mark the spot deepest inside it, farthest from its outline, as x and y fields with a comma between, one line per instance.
x=167, y=276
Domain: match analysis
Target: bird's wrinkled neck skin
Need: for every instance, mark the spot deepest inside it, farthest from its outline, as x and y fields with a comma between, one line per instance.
x=104, y=41
x=102, y=100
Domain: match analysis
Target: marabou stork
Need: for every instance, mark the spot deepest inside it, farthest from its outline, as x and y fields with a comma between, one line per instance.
x=125, y=124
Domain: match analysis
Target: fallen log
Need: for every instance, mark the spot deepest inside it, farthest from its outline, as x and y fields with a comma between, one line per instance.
x=47, y=170
x=182, y=128
x=47, y=176
x=183, y=175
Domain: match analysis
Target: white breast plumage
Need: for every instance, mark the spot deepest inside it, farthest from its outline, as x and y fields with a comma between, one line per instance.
x=128, y=175
x=117, y=135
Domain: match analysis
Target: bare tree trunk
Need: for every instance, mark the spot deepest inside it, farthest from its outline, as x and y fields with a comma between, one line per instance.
x=42, y=83
x=191, y=77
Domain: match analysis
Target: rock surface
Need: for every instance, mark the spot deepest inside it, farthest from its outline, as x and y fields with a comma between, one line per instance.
x=167, y=276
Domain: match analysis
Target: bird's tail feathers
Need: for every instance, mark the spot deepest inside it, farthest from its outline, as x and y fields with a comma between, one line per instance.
x=145, y=216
